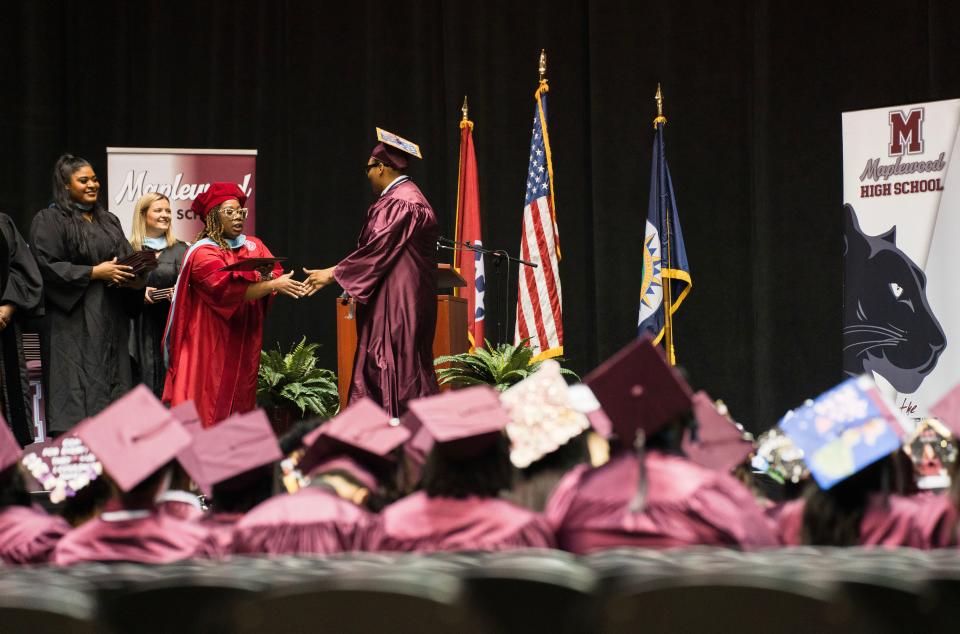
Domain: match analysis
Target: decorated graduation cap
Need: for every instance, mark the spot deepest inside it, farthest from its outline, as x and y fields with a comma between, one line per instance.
x=844, y=430
x=217, y=194
x=361, y=438
x=238, y=444
x=133, y=437
x=542, y=415
x=61, y=467
x=9, y=447
x=393, y=151
x=463, y=423
x=717, y=442
x=639, y=391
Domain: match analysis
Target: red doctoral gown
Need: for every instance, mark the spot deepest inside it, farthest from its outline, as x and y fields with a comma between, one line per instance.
x=214, y=335
x=312, y=521
x=423, y=524
x=917, y=521
x=392, y=278
x=28, y=535
x=686, y=505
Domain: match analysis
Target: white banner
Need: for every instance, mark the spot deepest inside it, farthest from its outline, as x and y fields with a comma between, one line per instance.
x=181, y=175
x=898, y=215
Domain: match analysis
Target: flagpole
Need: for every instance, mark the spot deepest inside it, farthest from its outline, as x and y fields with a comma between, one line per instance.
x=661, y=120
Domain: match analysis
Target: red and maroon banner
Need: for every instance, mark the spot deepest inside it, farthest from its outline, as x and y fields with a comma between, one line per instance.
x=469, y=263
x=180, y=174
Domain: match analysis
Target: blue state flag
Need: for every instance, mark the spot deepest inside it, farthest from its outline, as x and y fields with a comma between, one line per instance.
x=664, y=255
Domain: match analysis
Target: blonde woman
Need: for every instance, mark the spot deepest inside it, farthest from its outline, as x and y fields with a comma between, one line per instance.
x=152, y=230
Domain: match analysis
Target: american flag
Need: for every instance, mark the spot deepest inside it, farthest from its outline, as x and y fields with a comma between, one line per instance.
x=539, y=297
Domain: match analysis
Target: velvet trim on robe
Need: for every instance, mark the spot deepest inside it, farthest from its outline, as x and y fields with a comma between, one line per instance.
x=419, y=523
x=392, y=277
x=922, y=521
x=155, y=539
x=214, y=335
x=28, y=535
x=686, y=505
x=312, y=521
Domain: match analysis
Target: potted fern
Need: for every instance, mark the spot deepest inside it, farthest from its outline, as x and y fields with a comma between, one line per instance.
x=291, y=387
x=500, y=366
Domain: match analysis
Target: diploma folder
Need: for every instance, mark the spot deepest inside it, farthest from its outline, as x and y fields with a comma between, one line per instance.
x=141, y=262
x=252, y=264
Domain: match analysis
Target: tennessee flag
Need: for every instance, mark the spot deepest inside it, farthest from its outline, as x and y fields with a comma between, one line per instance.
x=469, y=263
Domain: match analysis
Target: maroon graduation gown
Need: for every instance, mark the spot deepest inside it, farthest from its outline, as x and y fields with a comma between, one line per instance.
x=392, y=277
x=154, y=539
x=221, y=526
x=312, y=521
x=686, y=504
x=28, y=534
x=423, y=524
x=917, y=521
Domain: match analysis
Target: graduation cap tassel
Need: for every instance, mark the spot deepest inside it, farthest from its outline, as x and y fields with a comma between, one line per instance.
x=640, y=497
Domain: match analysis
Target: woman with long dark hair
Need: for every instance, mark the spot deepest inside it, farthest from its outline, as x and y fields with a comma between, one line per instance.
x=89, y=298
x=152, y=231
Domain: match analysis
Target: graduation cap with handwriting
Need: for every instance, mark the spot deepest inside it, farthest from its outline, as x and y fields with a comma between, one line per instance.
x=61, y=467
x=844, y=430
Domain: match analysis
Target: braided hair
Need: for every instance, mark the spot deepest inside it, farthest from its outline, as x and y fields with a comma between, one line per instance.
x=213, y=228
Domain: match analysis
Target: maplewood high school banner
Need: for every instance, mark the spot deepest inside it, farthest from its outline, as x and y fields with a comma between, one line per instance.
x=180, y=175
x=902, y=249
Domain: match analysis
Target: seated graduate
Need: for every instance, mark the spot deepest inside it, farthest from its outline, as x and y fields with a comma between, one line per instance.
x=467, y=468
x=548, y=434
x=233, y=463
x=215, y=328
x=179, y=500
x=350, y=464
x=27, y=533
x=649, y=494
x=864, y=492
x=135, y=439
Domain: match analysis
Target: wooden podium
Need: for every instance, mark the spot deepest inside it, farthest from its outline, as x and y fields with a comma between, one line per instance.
x=449, y=338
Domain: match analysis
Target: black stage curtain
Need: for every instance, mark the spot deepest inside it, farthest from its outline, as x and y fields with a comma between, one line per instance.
x=753, y=89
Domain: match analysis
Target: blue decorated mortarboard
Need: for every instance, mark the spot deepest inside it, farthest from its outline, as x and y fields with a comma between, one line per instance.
x=844, y=430
x=391, y=139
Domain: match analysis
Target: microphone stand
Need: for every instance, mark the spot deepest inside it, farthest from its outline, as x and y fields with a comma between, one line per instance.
x=503, y=295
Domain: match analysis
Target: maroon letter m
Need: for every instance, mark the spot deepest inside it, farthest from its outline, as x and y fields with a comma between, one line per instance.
x=906, y=131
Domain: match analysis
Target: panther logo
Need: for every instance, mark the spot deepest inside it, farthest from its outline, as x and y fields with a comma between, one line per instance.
x=888, y=325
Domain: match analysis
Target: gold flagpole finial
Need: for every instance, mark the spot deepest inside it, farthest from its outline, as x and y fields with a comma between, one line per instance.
x=464, y=108
x=659, y=97
x=543, y=64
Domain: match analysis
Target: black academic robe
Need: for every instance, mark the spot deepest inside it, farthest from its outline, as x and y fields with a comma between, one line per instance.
x=146, y=334
x=22, y=287
x=85, y=333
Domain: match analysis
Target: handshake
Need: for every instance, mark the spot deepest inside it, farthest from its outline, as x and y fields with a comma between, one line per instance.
x=286, y=285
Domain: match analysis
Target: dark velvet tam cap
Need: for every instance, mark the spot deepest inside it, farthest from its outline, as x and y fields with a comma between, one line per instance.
x=9, y=447
x=463, y=423
x=717, y=443
x=217, y=194
x=237, y=444
x=639, y=390
x=133, y=437
x=363, y=430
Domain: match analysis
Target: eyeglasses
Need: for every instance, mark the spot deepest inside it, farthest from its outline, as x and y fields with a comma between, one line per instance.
x=235, y=212
x=370, y=166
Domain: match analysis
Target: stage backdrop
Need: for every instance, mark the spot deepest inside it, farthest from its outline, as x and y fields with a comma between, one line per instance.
x=901, y=316
x=181, y=175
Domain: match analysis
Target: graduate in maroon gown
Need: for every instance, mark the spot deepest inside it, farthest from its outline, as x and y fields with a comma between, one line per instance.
x=179, y=500
x=351, y=464
x=467, y=468
x=651, y=497
x=135, y=439
x=392, y=278
x=215, y=328
x=27, y=533
x=233, y=464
